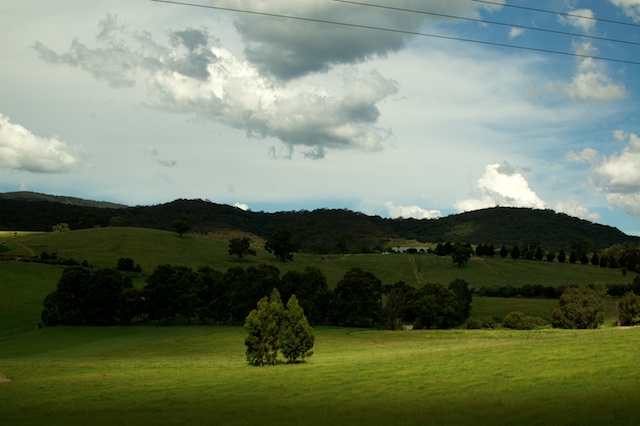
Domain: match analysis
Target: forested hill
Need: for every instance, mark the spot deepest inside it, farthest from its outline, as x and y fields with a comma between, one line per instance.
x=322, y=230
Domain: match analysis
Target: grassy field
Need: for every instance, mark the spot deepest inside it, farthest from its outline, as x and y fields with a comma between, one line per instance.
x=102, y=247
x=198, y=375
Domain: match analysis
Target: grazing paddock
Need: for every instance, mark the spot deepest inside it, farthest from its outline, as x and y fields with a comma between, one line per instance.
x=198, y=375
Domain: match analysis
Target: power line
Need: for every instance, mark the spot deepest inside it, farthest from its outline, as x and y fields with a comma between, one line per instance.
x=553, y=12
x=485, y=21
x=405, y=32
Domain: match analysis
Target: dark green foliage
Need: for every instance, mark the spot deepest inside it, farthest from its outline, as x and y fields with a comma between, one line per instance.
x=629, y=309
x=358, y=299
x=127, y=264
x=581, y=245
x=434, y=307
x=281, y=246
x=506, y=225
x=297, y=335
x=397, y=305
x=573, y=258
x=630, y=257
x=312, y=292
x=595, y=260
x=264, y=328
x=604, y=261
x=539, y=255
x=562, y=257
x=503, y=251
x=181, y=226
x=168, y=293
x=464, y=296
x=474, y=324
x=65, y=305
x=580, y=307
x=584, y=259
x=515, y=252
x=551, y=256
x=461, y=254
x=86, y=298
x=241, y=247
x=519, y=321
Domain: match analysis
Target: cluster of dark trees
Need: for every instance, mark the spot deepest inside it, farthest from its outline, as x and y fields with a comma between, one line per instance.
x=180, y=294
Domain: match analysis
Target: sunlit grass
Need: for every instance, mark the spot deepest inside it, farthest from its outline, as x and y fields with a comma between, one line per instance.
x=198, y=375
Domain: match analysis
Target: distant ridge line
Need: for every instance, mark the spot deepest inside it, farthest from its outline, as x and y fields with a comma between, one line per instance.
x=73, y=201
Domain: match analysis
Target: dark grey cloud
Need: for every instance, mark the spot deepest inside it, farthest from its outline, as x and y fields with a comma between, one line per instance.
x=120, y=54
x=289, y=48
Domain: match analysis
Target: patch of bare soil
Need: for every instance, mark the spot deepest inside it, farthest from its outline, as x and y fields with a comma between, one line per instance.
x=3, y=379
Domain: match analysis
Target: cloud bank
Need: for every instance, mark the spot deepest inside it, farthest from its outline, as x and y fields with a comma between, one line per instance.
x=193, y=75
x=22, y=150
x=414, y=212
x=616, y=175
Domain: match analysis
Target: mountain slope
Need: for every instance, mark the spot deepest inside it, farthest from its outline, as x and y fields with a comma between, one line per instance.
x=325, y=230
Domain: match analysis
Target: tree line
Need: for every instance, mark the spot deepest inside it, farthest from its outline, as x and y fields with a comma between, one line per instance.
x=179, y=294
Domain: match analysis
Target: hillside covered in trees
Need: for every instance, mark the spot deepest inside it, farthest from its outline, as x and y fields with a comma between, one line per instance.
x=319, y=231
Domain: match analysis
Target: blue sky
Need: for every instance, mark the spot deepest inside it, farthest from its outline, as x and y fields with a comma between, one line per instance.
x=142, y=102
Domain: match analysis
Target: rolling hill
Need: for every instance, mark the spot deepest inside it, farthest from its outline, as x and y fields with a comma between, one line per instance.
x=318, y=231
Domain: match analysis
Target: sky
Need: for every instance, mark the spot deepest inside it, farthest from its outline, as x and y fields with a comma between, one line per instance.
x=397, y=108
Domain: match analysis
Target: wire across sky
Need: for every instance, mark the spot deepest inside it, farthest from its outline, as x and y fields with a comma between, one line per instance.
x=440, y=36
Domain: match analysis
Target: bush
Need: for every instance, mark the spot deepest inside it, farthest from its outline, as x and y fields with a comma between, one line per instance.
x=474, y=324
x=580, y=308
x=519, y=321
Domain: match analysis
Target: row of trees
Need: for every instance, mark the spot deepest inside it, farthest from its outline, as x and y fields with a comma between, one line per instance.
x=180, y=294
x=617, y=256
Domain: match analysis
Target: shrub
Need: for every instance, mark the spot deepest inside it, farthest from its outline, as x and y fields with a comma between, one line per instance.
x=519, y=321
x=474, y=324
x=580, y=308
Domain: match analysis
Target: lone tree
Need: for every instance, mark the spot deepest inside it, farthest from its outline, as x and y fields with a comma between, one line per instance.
x=297, y=335
x=181, y=226
x=264, y=325
x=241, y=247
x=271, y=328
x=580, y=308
x=461, y=254
x=281, y=246
x=629, y=309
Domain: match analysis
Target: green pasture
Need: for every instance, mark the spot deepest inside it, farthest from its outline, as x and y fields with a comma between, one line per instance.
x=198, y=375
x=102, y=247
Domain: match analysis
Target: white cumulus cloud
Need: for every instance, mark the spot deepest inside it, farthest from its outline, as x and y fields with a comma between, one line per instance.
x=591, y=84
x=414, y=212
x=572, y=207
x=580, y=18
x=616, y=175
x=501, y=185
x=631, y=8
x=242, y=206
x=22, y=150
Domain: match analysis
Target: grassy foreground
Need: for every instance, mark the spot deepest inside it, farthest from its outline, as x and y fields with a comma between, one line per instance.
x=148, y=375
x=197, y=375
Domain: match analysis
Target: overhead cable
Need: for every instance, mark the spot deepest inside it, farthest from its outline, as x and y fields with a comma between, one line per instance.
x=485, y=21
x=554, y=12
x=405, y=32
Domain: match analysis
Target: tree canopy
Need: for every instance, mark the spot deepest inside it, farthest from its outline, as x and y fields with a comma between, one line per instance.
x=580, y=307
